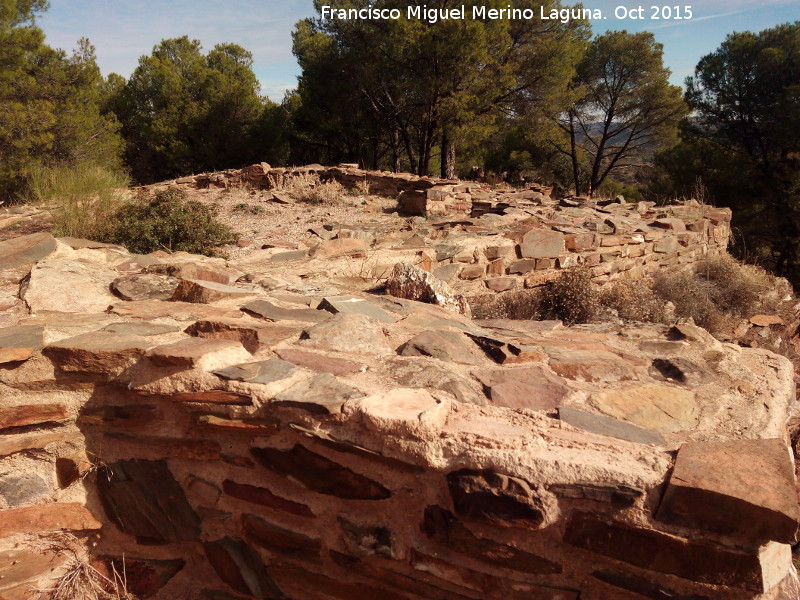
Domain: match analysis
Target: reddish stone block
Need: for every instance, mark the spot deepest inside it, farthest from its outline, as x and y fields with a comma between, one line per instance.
x=32, y=414
x=664, y=553
x=46, y=518
x=263, y=497
x=742, y=488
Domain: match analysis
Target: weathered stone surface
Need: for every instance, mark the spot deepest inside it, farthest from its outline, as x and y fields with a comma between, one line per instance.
x=320, y=474
x=667, y=245
x=654, y=407
x=594, y=365
x=354, y=306
x=621, y=495
x=350, y=333
x=32, y=414
x=99, y=353
x=241, y=568
x=351, y=247
x=281, y=541
x=128, y=415
x=291, y=256
x=447, y=273
x=180, y=311
x=412, y=283
x=142, y=498
x=155, y=447
x=66, y=516
x=320, y=362
x=265, y=371
x=429, y=373
x=738, y=487
x=20, y=342
x=212, y=397
x=144, y=286
x=502, y=284
x=22, y=569
x=608, y=426
x=263, y=497
x=26, y=249
x=322, y=394
x=205, y=292
x=444, y=345
x=656, y=551
x=494, y=497
x=670, y=223
x=69, y=286
x=542, y=243
x=141, y=329
x=196, y=271
x=253, y=336
x=260, y=427
x=23, y=488
x=487, y=584
x=199, y=352
x=532, y=387
x=11, y=443
x=271, y=312
x=312, y=585
x=443, y=528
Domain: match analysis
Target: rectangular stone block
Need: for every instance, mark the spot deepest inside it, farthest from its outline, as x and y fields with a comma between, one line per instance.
x=742, y=488
x=664, y=553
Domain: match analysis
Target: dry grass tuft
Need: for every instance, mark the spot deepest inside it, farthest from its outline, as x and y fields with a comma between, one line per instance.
x=634, y=301
x=572, y=298
x=308, y=187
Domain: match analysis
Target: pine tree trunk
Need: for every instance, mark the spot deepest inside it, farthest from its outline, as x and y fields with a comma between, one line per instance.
x=448, y=170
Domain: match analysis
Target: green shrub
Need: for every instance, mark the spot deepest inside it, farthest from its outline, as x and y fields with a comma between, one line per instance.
x=81, y=198
x=168, y=221
x=571, y=298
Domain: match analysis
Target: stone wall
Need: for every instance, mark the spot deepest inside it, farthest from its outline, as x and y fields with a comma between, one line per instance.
x=482, y=239
x=225, y=442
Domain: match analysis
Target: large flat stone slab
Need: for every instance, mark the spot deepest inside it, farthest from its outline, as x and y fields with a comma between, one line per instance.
x=610, y=427
x=199, y=352
x=449, y=346
x=32, y=414
x=352, y=333
x=531, y=387
x=69, y=286
x=180, y=311
x=738, y=487
x=655, y=407
x=271, y=312
x=100, y=352
x=265, y=371
x=145, y=286
x=26, y=249
x=320, y=362
x=354, y=306
x=321, y=394
x=62, y=516
x=206, y=292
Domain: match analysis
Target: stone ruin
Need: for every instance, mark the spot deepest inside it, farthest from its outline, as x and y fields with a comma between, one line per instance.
x=221, y=435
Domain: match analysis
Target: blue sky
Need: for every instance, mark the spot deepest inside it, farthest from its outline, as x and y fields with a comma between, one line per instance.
x=123, y=30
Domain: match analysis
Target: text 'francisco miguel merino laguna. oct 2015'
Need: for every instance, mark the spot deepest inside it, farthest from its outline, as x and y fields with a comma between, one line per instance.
x=482, y=13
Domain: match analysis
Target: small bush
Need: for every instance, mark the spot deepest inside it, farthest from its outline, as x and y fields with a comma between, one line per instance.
x=634, y=301
x=571, y=298
x=168, y=221
x=308, y=187
x=718, y=292
x=83, y=197
x=523, y=305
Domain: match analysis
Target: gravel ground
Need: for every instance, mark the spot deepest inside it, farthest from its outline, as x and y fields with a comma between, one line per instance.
x=255, y=217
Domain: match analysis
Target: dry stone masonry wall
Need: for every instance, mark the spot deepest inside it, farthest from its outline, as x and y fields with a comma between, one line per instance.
x=482, y=240
x=228, y=439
